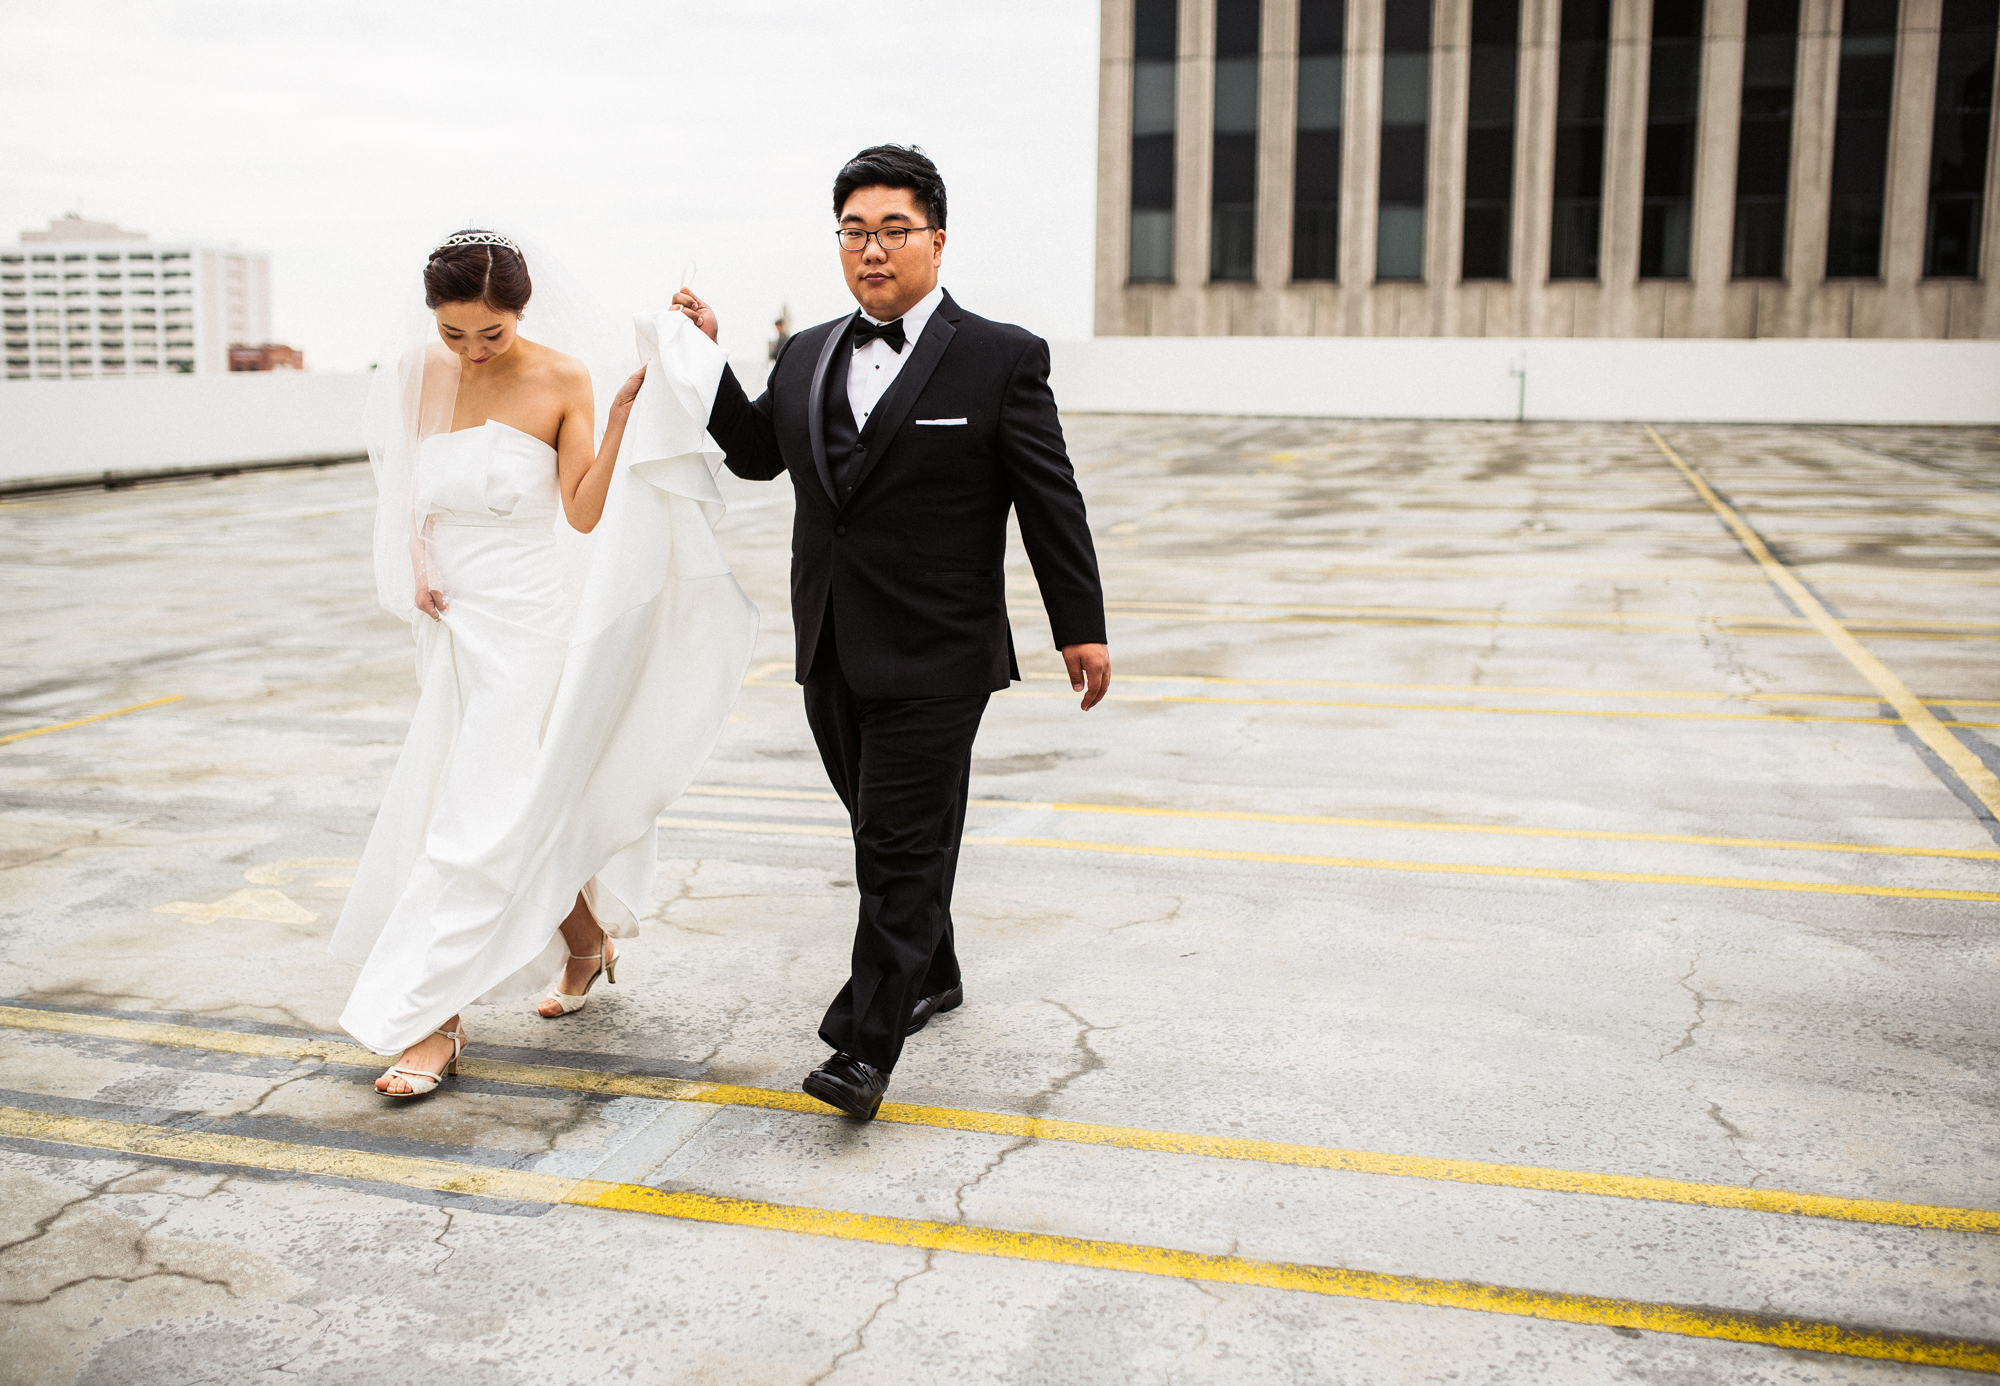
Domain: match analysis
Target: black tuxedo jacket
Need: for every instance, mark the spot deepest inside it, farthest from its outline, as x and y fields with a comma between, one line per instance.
x=908, y=555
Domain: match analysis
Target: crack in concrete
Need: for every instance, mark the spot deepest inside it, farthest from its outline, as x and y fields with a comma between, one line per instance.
x=1090, y=1062
x=43, y=1226
x=155, y=1270
x=318, y=1327
x=159, y=1273
x=1169, y=917
x=958, y=1195
x=438, y=1240
x=1481, y=657
x=1200, y=1326
x=1715, y=1115
x=860, y=1343
x=664, y=911
x=273, y=1090
x=1700, y=1009
x=729, y=1024
x=1732, y=1132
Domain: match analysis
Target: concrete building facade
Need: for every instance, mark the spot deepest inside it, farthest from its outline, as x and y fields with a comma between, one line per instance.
x=1548, y=168
x=86, y=299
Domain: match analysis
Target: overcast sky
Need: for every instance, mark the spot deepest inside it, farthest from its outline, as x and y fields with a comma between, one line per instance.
x=633, y=138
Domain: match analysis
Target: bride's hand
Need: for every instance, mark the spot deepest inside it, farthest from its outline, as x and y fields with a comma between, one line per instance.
x=697, y=312
x=430, y=601
x=621, y=403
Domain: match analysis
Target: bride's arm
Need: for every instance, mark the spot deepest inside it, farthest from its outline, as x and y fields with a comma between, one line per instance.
x=586, y=479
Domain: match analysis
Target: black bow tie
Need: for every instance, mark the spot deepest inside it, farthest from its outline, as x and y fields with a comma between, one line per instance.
x=890, y=332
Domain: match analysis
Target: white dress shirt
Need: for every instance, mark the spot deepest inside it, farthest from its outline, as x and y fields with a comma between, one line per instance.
x=875, y=367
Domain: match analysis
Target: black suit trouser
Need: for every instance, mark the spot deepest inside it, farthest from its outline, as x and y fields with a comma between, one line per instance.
x=901, y=767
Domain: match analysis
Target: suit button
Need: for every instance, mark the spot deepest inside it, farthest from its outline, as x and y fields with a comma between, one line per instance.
x=840, y=529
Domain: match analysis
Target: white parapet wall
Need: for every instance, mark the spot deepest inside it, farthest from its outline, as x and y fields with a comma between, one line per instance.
x=1670, y=381
x=56, y=431
x=128, y=429
x=132, y=428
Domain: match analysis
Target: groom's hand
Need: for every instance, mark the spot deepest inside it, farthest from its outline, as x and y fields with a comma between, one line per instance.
x=698, y=312
x=1089, y=672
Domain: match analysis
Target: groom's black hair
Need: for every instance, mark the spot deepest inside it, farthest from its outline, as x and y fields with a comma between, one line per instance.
x=893, y=166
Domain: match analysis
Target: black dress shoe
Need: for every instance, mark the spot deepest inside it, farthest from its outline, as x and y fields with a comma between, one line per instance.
x=847, y=1083
x=921, y=1013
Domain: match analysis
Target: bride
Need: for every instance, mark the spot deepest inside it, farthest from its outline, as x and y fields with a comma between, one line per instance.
x=517, y=837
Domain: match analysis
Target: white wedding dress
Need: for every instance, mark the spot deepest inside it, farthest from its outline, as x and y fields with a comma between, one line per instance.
x=548, y=736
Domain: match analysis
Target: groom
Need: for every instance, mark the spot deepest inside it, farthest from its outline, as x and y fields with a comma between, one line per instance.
x=909, y=429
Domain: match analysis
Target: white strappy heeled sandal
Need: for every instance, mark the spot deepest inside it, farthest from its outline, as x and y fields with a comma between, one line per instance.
x=422, y=1081
x=607, y=968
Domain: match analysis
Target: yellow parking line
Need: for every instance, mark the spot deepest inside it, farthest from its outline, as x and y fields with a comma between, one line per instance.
x=1545, y=873
x=1524, y=711
x=1443, y=868
x=761, y=678
x=1628, y=627
x=1394, y=824
x=1531, y=510
x=1525, y=690
x=1643, y=1188
x=1887, y=576
x=1491, y=616
x=1983, y=783
x=444, y=1176
x=1296, y=534
x=1504, y=711
x=81, y=721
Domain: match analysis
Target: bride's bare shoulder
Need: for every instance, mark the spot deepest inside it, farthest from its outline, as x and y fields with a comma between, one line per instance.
x=562, y=372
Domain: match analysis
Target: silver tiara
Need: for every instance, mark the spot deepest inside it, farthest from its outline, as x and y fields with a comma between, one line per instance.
x=477, y=238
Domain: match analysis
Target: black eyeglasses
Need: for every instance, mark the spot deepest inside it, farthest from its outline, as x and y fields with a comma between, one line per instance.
x=889, y=237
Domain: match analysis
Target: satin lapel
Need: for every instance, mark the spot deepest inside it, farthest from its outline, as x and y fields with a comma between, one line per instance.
x=816, y=411
x=902, y=397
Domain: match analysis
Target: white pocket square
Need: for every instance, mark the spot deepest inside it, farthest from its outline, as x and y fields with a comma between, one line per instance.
x=937, y=423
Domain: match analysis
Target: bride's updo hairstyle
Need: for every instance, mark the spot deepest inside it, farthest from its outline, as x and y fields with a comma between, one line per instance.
x=487, y=270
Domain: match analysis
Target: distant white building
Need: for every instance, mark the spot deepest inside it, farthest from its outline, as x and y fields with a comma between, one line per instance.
x=86, y=299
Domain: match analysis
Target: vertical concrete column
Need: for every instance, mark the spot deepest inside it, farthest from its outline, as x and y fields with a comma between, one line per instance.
x=1713, y=243
x=1813, y=109
x=1624, y=164
x=1911, y=109
x=1444, y=193
x=1989, y=236
x=1360, y=165
x=1114, y=168
x=1277, y=122
x=1194, y=150
x=1534, y=162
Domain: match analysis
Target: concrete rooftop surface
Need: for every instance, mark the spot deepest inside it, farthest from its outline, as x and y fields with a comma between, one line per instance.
x=1519, y=917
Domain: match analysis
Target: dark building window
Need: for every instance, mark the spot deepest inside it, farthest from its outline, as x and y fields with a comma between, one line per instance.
x=1406, y=121
x=1232, y=246
x=1673, y=108
x=1959, y=134
x=1489, y=139
x=1861, y=139
x=1764, y=138
x=1316, y=175
x=1581, y=68
x=1155, y=44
